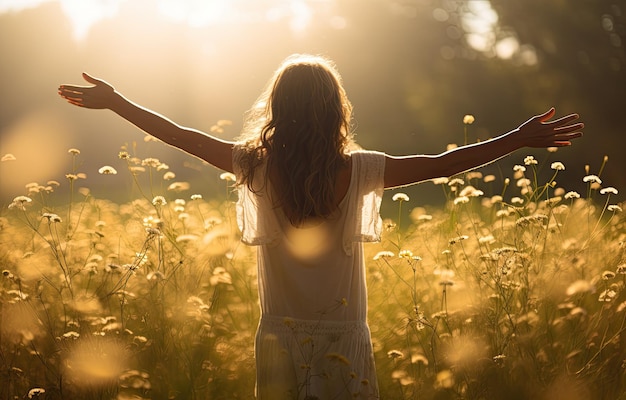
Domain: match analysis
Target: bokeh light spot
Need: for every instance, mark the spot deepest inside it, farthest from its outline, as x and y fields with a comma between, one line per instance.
x=39, y=143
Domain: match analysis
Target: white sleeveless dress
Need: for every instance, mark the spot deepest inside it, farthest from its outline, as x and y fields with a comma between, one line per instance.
x=313, y=341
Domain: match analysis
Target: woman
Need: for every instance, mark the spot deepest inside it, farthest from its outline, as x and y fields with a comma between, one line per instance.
x=308, y=202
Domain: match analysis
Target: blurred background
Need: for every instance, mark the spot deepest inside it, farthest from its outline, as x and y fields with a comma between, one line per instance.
x=412, y=68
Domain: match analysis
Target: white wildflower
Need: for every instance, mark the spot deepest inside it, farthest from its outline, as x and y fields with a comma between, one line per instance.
x=592, y=179
x=609, y=189
x=461, y=200
x=557, y=166
x=383, y=254
x=456, y=182
x=572, y=195
x=400, y=197
x=159, y=201
x=107, y=170
x=228, y=176
x=530, y=160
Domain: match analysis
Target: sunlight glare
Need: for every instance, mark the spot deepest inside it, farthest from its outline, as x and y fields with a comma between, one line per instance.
x=19, y=323
x=298, y=12
x=39, y=142
x=483, y=34
x=301, y=16
x=84, y=14
x=81, y=13
x=506, y=48
x=95, y=360
x=19, y=5
x=308, y=243
x=197, y=13
x=480, y=22
x=482, y=41
x=480, y=17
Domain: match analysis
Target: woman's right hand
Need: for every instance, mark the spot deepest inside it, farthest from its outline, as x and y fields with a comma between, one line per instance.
x=98, y=96
x=539, y=131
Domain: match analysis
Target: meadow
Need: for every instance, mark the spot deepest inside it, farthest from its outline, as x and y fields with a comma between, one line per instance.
x=512, y=290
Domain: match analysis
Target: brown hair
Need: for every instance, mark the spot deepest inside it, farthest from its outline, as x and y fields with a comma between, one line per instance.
x=300, y=127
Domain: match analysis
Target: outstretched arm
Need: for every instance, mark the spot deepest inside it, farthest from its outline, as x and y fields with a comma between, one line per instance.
x=102, y=95
x=536, y=132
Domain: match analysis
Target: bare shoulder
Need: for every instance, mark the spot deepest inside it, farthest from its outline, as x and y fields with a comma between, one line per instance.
x=343, y=180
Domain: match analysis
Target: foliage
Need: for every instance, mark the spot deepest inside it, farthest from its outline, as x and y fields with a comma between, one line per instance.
x=499, y=299
x=156, y=298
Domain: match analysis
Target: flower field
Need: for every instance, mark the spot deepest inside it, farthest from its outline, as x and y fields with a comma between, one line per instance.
x=512, y=290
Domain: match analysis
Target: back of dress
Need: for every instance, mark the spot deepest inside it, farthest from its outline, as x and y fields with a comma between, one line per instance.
x=315, y=272
x=307, y=274
x=313, y=341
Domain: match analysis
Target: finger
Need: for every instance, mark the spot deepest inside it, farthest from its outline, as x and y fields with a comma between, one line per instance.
x=74, y=99
x=563, y=139
x=91, y=79
x=564, y=120
x=569, y=128
x=76, y=103
x=569, y=136
x=547, y=115
x=71, y=95
x=72, y=89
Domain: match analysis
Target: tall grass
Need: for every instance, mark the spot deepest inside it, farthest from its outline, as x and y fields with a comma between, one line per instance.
x=515, y=295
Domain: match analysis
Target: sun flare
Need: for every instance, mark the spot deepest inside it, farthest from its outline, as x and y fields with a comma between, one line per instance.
x=84, y=14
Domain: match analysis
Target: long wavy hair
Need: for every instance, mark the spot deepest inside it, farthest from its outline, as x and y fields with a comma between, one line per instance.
x=300, y=128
